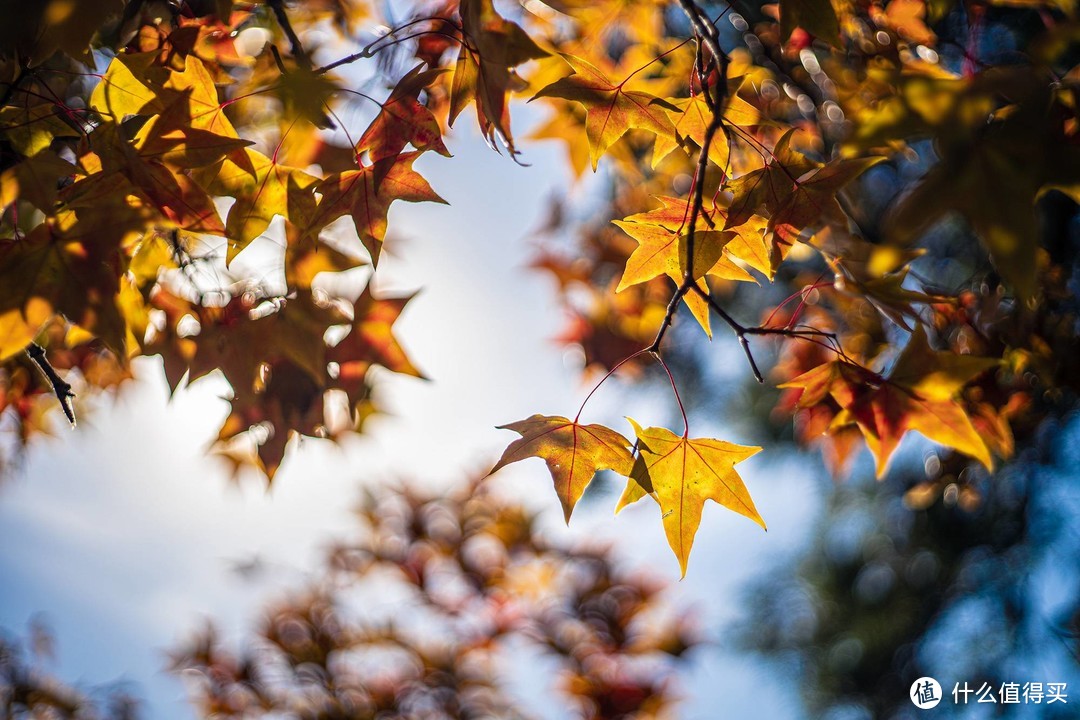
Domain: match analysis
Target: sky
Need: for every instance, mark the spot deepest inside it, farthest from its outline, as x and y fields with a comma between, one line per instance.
x=124, y=534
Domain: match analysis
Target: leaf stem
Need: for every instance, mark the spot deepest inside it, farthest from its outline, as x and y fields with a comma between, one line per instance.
x=674, y=389
x=610, y=372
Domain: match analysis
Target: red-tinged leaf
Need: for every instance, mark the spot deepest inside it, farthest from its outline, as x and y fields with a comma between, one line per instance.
x=179, y=198
x=484, y=71
x=681, y=474
x=812, y=201
x=354, y=193
x=574, y=453
x=767, y=188
x=403, y=121
x=611, y=110
x=920, y=393
x=371, y=340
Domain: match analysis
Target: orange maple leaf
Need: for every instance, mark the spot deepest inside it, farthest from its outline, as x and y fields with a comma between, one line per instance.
x=920, y=393
x=402, y=121
x=611, y=110
x=354, y=193
x=574, y=453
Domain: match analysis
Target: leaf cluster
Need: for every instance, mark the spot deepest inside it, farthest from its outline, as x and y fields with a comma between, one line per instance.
x=845, y=153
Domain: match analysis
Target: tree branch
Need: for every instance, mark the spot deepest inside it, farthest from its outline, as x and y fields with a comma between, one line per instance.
x=302, y=59
x=716, y=98
x=61, y=387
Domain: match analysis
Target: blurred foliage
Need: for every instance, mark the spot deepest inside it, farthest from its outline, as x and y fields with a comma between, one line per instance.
x=434, y=611
x=978, y=584
x=29, y=690
x=420, y=616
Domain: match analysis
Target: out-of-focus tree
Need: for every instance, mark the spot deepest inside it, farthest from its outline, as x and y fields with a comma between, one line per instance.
x=979, y=588
x=419, y=616
x=30, y=691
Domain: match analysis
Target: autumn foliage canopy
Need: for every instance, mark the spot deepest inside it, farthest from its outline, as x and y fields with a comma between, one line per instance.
x=178, y=179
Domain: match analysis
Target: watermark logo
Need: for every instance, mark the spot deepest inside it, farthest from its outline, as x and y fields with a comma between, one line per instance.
x=925, y=693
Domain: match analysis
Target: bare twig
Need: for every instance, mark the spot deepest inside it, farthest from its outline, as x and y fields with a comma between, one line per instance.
x=743, y=332
x=370, y=50
x=60, y=387
x=302, y=58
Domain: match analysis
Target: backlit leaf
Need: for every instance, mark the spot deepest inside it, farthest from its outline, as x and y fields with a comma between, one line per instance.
x=612, y=110
x=574, y=453
x=681, y=474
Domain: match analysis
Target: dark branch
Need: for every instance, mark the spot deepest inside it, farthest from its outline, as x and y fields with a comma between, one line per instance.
x=60, y=387
x=302, y=59
x=707, y=36
x=716, y=98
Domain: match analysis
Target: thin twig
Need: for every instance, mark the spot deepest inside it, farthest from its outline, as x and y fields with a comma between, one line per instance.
x=60, y=387
x=716, y=98
x=743, y=332
x=302, y=58
x=369, y=50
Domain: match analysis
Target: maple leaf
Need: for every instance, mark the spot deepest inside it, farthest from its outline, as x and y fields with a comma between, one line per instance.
x=694, y=118
x=122, y=92
x=179, y=198
x=484, y=70
x=574, y=453
x=889, y=296
x=662, y=250
x=306, y=94
x=919, y=394
x=35, y=179
x=371, y=339
x=20, y=325
x=812, y=201
x=681, y=474
x=770, y=186
x=611, y=110
x=66, y=266
x=262, y=189
x=190, y=99
x=354, y=193
x=187, y=124
x=31, y=128
x=402, y=121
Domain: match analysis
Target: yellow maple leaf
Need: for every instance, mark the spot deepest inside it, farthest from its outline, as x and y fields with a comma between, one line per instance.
x=681, y=474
